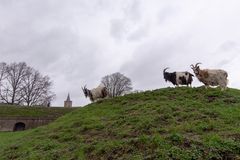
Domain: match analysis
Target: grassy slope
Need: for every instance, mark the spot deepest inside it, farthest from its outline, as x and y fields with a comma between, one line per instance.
x=18, y=111
x=181, y=123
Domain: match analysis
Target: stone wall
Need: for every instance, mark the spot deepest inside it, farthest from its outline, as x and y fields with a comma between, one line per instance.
x=11, y=123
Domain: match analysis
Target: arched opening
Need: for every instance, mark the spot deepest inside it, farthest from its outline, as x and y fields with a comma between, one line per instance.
x=19, y=126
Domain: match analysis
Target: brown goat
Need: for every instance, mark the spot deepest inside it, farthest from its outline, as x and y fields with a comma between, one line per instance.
x=211, y=77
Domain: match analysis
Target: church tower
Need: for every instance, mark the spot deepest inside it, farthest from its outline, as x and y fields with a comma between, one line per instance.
x=68, y=102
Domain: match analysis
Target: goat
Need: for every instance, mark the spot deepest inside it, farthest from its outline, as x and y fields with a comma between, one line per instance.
x=95, y=93
x=178, y=78
x=211, y=77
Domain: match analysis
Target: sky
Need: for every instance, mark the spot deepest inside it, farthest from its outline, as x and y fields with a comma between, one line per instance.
x=77, y=42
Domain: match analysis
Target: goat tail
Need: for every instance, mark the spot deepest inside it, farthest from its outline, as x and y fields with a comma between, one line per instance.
x=226, y=74
x=104, y=92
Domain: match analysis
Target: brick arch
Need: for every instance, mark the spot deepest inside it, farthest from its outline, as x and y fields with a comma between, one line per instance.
x=9, y=123
x=19, y=126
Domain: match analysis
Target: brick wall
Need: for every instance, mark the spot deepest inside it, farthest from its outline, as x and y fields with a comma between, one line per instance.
x=9, y=123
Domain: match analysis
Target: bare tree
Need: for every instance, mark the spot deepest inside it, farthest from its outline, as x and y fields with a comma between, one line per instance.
x=36, y=89
x=23, y=85
x=3, y=67
x=11, y=89
x=117, y=84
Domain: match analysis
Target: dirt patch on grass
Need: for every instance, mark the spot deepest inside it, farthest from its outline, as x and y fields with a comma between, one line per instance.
x=230, y=100
x=211, y=98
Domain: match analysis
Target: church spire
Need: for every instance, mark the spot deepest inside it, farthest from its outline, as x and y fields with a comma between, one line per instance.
x=68, y=97
x=68, y=102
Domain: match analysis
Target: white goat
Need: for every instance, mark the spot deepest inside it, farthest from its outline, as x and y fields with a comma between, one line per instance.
x=211, y=77
x=95, y=93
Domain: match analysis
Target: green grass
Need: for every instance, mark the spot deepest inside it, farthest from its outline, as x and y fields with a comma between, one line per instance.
x=169, y=123
x=19, y=111
x=10, y=137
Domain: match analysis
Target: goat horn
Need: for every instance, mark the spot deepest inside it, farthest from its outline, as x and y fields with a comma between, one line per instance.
x=197, y=64
x=165, y=69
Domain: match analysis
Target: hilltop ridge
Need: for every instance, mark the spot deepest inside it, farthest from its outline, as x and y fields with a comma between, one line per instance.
x=168, y=123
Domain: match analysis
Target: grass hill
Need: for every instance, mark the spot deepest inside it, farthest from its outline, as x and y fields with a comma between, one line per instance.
x=169, y=123
x=19, y=111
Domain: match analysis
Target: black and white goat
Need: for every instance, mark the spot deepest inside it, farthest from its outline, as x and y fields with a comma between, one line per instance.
x=178, y=78
x=95, y=93
x=211, y=77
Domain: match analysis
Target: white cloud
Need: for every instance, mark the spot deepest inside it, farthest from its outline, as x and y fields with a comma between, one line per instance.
x=78, y=42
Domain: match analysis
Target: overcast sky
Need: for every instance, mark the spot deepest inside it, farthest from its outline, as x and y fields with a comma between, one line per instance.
x=77, y=42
